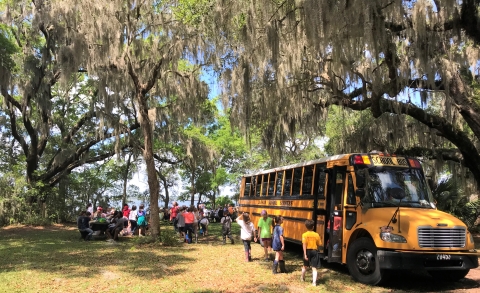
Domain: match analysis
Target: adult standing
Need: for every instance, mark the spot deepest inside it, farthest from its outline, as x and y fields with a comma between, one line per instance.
x=189, y=218
x=264, y=226
x=173, y=215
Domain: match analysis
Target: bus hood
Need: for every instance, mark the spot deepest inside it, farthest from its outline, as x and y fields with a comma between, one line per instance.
x=413, y=224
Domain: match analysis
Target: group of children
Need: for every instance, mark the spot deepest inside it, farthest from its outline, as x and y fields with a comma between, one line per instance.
x=123, y=222
x=189, y=222
x=275, y=240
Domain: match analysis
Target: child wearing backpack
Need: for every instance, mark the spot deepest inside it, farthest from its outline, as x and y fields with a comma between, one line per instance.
x=226, y=221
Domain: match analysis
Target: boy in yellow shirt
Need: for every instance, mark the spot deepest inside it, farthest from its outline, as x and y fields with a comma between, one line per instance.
x=311, y=258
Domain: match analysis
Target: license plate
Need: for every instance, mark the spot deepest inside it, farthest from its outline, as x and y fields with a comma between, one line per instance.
x=444, y=256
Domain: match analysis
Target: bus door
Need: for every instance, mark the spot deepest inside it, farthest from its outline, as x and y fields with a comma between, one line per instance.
x=319, y=204
x=335, y=211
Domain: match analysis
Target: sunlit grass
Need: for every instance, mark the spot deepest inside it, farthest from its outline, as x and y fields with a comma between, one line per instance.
x=55, y=259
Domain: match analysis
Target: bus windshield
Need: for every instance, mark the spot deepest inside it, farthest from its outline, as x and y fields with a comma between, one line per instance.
x=397, y=187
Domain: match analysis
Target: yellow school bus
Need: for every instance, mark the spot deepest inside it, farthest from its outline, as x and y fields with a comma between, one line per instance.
x=374, y=212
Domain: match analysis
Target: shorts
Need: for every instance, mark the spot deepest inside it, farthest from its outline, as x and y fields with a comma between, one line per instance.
x=267, y=239
x=314, y=259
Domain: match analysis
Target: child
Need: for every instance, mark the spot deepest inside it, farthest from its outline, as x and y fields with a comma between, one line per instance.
x=278, y=245
x=311, y=241
x=204, y=224
x=246, y=233
x=226, y=221
x=265, y=232
x=141, y=220
x=181, y=222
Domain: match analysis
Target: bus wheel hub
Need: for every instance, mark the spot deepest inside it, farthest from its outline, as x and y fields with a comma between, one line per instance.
x=365, y=262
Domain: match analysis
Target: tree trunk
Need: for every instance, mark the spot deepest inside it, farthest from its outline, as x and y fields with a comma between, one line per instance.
x=125, y=180
x=153, y=185
x=192, y=187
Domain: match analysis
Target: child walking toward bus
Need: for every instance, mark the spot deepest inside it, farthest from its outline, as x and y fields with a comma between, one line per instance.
x=278, y=245
x=311, y=258
x=226, y=221
x=247, y=230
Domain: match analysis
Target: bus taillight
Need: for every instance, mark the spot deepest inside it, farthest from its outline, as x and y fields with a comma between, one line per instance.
x=361, y=160
x=414, y=163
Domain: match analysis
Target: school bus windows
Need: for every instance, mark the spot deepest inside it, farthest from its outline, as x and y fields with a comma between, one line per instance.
x=307, y=180
x=287, y=185
x=297, y=181
x=271, y=184
x=320, y=170
x=264, y=184
x=259, y=186
x=248, y=186
x=279, y=189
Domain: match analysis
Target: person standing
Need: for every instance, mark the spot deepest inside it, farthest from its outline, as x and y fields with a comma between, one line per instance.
x=310, y=242
x=173, y=215
x=278, y=245
x=132, y=217
x=181, y=222
x=247, y=231
x=141, y=220
x=264, y=226
x=226, y=221
x=90, y=208
x=189, y=218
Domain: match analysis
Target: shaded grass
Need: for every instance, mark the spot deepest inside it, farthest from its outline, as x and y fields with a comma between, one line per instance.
x=54, y=258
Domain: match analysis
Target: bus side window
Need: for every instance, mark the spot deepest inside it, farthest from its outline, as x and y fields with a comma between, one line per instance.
x=287, y=186
x=278, y=191
x=322, y=176
x=271, y=184
x=264, y=184
x=248, y=186
x=297, y=181
x=350, y=191
x=259, y=185
x=252, y=186
x=339, y=189
x=307, y=180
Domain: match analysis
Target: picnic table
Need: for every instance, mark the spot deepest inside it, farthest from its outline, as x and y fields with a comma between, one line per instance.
x=99, y=226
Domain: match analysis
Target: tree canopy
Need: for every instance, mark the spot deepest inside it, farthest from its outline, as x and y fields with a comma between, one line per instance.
x=295, y=59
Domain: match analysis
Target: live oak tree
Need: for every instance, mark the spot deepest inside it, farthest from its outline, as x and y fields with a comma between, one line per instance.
x=295, y=59
x=137, y=51
x=50, y=113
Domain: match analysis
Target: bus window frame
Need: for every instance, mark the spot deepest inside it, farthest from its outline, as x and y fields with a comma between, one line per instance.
x=281, y=185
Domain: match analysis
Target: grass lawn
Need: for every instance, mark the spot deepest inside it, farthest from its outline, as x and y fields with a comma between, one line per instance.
x=36, y=259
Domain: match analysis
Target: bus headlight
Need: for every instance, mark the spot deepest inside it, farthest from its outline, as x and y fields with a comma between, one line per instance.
x=389, y=237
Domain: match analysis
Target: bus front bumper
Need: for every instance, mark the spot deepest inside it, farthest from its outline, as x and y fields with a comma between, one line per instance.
x=395, y=260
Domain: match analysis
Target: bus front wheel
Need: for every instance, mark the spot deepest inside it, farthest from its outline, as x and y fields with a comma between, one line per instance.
x=362, y=261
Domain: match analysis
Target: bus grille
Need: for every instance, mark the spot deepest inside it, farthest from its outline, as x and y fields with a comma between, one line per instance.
x=438, y=238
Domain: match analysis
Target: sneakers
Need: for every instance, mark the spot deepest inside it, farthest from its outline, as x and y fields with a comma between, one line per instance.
x=314, y=284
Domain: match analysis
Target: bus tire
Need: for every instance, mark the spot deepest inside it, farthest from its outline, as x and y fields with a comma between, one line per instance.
x=449, y=275
x=362, y=262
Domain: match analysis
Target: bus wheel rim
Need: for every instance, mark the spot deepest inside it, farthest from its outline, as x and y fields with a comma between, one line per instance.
x=365, y=262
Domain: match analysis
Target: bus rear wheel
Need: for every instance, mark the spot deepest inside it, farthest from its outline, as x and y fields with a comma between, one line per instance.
x=449, y=275
x=362, y=261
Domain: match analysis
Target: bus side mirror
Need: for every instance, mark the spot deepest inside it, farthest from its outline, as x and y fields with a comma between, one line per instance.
x=360, y=178
x=360, y=192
